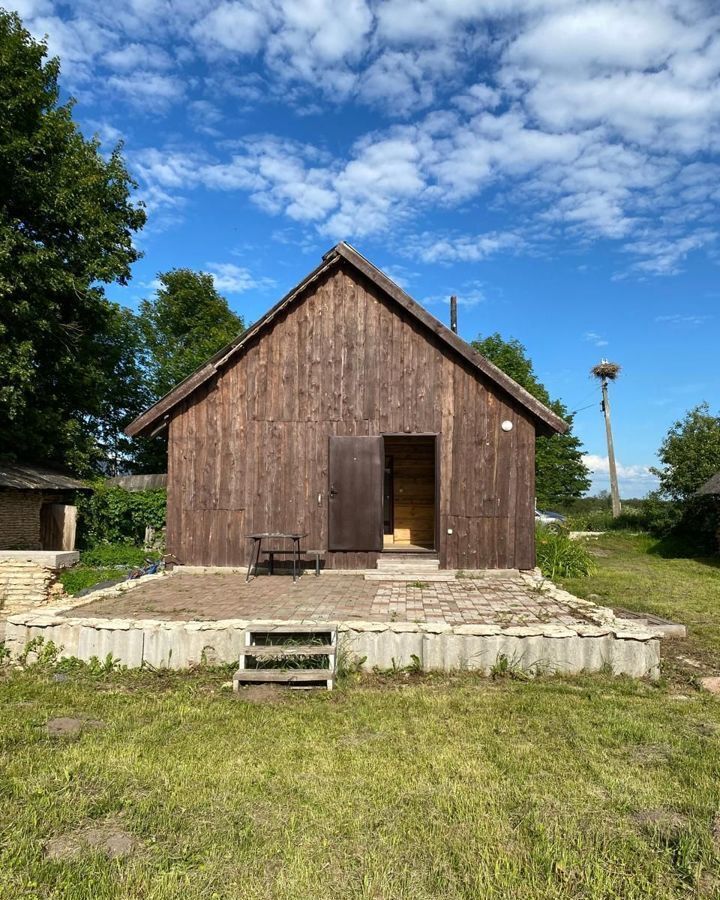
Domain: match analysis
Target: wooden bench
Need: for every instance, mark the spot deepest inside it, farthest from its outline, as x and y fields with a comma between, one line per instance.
x=277, y=551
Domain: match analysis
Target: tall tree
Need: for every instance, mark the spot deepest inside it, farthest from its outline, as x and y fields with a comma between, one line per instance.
x=66, y=226
x=183, y=325
x=561, y=474
x=690, y=453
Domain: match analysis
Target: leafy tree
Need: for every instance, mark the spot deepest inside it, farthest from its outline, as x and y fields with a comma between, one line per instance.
x=183, y=325
x=690, y=453
x=66, y=226
x=561, y=475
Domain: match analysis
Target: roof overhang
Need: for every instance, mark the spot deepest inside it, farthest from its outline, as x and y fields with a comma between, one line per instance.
x=155, y=419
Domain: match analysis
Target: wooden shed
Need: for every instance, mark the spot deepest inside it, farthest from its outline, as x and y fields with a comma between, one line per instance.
x=349, y=413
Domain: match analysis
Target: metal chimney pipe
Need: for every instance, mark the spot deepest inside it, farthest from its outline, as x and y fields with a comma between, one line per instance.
x=453, y=314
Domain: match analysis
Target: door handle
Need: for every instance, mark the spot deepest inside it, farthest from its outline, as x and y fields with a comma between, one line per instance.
x=332, y=492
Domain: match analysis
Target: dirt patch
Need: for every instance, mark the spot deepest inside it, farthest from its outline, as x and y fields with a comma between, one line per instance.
x=665, y=825
x=263, y=693
x=650, y=754
x=108, y=838
x=65, y=726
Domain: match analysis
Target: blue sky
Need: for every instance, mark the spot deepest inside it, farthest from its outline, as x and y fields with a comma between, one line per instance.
x=553, y=163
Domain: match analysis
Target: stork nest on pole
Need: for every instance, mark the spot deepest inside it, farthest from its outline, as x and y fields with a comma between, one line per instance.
x=608, y=371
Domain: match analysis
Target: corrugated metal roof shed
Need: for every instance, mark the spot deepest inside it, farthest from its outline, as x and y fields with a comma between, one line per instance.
x=37, y=478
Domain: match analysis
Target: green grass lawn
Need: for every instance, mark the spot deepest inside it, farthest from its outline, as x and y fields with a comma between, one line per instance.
x=389, y=788
x=632, y=573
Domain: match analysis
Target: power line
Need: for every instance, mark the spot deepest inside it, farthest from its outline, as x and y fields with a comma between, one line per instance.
x=574, y=412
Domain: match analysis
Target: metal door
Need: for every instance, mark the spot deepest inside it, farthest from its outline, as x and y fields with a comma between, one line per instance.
x=355, y=496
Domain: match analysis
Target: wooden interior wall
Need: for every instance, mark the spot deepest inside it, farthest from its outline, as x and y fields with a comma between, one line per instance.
x=413, y=490
x=249, y=451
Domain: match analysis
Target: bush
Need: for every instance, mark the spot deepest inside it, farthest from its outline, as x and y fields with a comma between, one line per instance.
x=652, y=514
x=80, y=577
x=112, y=515
x=559, y=557
x=590, y=520
x=106, y=555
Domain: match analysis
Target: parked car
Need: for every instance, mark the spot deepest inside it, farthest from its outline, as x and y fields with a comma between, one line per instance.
x=549, y=519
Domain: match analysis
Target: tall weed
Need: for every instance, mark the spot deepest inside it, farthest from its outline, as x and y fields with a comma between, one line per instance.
x=559, y=557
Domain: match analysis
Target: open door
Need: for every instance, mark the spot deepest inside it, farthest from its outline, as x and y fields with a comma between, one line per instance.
x=355, y=495
x=57, y=526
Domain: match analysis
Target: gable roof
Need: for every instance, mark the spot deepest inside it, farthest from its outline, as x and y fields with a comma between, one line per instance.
x=711, y=486
x=155, y=418
x=37, y=478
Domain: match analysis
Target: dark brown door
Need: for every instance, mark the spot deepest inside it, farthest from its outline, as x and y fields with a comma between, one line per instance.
x=355, y=496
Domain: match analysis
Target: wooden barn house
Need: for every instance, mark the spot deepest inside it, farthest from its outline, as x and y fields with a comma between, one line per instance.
x=349, y=413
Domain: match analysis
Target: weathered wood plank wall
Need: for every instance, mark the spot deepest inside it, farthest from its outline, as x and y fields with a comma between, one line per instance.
x=249, y=450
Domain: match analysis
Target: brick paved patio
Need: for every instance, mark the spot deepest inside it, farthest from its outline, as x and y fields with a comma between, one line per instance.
x=507, y=601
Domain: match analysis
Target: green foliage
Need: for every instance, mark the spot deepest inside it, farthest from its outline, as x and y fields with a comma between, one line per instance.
x=39, y=654
x=78, y=578
x=45, y=657
x=68, y=373
x=504, y=667
x=559, y=557
x=183, y=325
x=115, y=516
x=116, y=555
x=690, y=453
x=561, y=474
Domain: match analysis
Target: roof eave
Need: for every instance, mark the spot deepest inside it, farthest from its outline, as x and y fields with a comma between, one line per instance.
x=147, y=423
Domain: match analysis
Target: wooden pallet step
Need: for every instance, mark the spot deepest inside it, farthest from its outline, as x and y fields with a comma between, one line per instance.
x=320, y=628
x=283, y=675
x=289, y=650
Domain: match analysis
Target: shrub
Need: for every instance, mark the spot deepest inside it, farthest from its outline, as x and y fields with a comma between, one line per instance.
x=112, y=515
x=590, y=520
x=559, y=557
x=106, y=555
x=660, y=517
x=79, y=578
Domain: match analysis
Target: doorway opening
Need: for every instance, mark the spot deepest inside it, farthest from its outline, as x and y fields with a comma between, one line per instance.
x=409, y=493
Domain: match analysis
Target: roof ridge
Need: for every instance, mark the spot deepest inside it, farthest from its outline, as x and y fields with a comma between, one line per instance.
x=144, y=423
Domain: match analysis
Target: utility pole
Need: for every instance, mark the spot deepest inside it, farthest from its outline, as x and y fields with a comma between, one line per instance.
x=605, y=372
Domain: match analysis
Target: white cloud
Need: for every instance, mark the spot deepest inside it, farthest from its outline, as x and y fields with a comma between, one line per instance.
x=683, y=319
x=147, y=90
x=28, y=9
x=601, y=34
x=232, y=279
x=464, y=248
x=598, y=120
x=594, y=338
x=236, y=27
x=138, y=56
x=634, y=480
x=601, y=466
x=663, y=255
